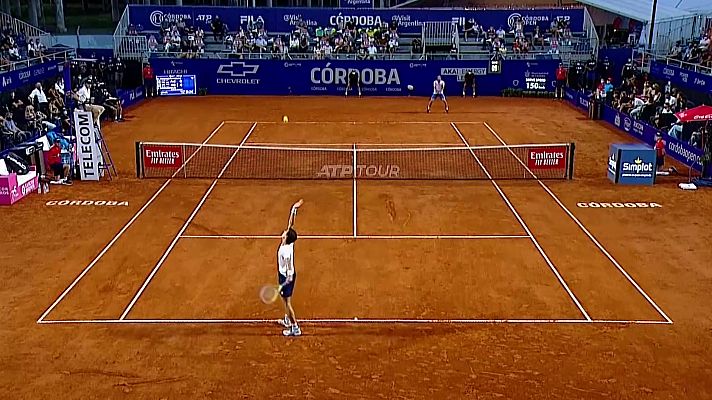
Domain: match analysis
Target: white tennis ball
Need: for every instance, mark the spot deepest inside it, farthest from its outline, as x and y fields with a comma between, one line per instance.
x=410, y=87
x=355, y=318
x=285, y=119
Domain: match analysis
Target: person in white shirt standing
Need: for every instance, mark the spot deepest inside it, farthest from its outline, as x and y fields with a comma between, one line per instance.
x=287, y=274
x=438, y=93
x=40, y=97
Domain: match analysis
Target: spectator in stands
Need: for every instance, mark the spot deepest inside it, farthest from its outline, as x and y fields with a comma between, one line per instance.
x=39, y=98
x=500, y=33
x=60, y=170
x=372, y=51
x=152, y=44
x=470, y=28
x=16, y=134
x=36, y=120
x=393, y=42
x=218, y=28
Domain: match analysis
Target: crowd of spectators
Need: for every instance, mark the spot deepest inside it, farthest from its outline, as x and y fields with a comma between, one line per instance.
x=647, y=101
x=17, y=47
x=523, y=40
x=696, y=51
x=179, y=37
x=43, y=109
x=363, y=42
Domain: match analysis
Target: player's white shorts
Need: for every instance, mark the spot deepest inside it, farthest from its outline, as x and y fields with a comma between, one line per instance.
x=438, y=96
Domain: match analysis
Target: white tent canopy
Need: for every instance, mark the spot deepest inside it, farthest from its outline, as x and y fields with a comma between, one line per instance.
x=641, y=10
x=677, y=17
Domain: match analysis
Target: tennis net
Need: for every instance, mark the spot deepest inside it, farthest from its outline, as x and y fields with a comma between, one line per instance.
x=191, y=160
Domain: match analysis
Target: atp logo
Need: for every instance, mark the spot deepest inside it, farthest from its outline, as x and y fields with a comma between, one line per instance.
x=238, y=69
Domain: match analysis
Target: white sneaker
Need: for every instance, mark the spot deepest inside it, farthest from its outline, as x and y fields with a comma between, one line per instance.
x=293, y=331
x=285, y=322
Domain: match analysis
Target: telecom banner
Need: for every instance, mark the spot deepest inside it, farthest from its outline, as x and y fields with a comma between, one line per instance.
x=409, y=20
x=378, y=77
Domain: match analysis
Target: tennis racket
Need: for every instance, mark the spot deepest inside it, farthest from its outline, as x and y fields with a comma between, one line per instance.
x=269, y=293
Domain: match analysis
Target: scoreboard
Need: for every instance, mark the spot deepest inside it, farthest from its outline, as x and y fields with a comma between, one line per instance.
x=175, y=85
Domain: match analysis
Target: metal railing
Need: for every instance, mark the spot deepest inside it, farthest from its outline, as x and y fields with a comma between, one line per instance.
x=590, y=29
x=123, y=25
x=440, y=34
x=18, y=26
x=283, y=56
x=671, y=30
x=64, y=55
x=647, y=57
x=130, y=47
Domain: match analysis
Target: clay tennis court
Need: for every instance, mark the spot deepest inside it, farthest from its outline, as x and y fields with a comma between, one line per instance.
x=461, y=288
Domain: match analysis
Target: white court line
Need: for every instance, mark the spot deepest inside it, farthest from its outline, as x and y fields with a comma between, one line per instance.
x=350, y=122
x=526, y=228
x=125, y=228
x=350, y=145
x=185, y=225
x=586, y=231
x=385, y=237
x=371, y=321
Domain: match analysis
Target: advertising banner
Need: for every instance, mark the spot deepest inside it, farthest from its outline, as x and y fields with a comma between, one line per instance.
x=679, y=150
x=684, y=78
x=88, y=154
x=355, y=3
x=284, y=20
x=12, y=80
x=635, y=164
x=328, y=77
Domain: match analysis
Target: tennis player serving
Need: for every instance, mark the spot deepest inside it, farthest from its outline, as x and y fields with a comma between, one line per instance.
x=438, y=93
x=287, y=275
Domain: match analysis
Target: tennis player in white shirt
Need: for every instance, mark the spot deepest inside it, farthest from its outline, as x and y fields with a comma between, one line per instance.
x=438, y=93
x=287, y=275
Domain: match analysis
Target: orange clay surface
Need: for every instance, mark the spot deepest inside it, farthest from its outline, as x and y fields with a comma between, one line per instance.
x=546, y=349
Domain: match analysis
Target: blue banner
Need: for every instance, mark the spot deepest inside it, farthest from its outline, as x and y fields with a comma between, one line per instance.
x=684, y=78
x=27, y=76
x=131, y=96
x=632, y=164
x=356, y=3
x=378, y=77
x=285, y=19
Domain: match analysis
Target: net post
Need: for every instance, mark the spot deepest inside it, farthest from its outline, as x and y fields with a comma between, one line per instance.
x=572, y=151
x=139, y=168
x=183, y=165
x=353, y=174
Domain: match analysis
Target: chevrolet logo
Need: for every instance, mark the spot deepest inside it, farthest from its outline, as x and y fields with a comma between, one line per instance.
x=238, y=69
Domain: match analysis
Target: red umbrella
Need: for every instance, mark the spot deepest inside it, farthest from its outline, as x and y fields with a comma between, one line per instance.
x=697, y=114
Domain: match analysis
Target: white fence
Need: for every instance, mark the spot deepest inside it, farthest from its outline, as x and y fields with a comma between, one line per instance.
x=683, y=29
x=21, y=27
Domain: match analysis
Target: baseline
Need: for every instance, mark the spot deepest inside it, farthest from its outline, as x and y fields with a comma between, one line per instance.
x=354, y=321
x=386, y=237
